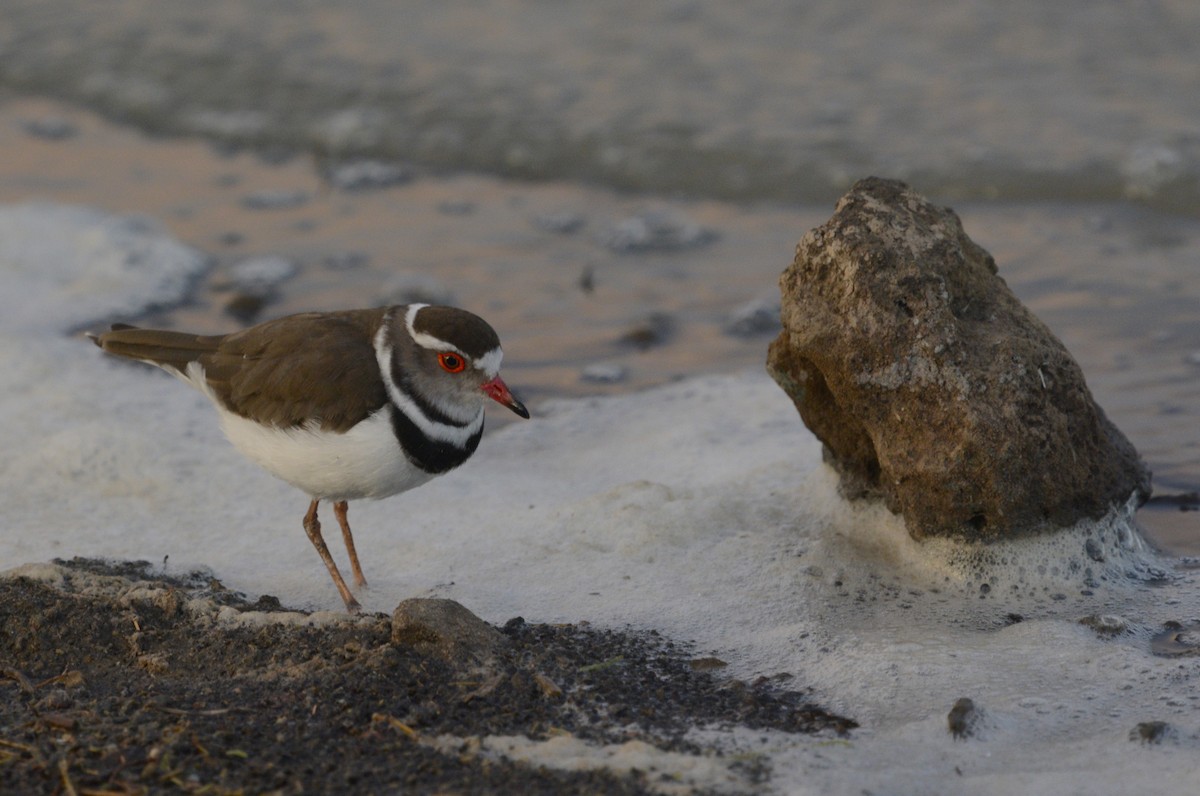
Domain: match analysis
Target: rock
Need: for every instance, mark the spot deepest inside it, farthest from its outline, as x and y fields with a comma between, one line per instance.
x=560, y=222
x=444, y=628
x=1106, y=625
x=656, y=329
x=262, y=274
x=367, y=175
x=753, y=318
x=964, y=719
x=50, y=128
x=932, y=386
x=655, y=230
x=1151, y=732
x=604, y=373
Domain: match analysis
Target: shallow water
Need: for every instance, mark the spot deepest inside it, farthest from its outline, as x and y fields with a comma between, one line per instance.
x=752, y=101
x=542, y=263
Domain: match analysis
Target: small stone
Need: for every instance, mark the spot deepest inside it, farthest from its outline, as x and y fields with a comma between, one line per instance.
x=444, y=628
x=563, y=222
x=654, y=330
x=1151, y=732
x=655, y=230
x=245, y=308
x=261, y=275
x=964, y=718
x=275, y=200
x=707, y=664
x=548, y=687
x=50, y=128
x=754, y=318
x=367, y=175
x=604, y=373
x=1106, y=625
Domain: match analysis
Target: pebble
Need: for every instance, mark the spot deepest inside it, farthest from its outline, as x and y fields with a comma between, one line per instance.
x=563, y=222
x=604, y=373
x=260, y=275
x=50, y=128
x=655, y=230
x=654, y=330
x=754, y=318
x=367, y=175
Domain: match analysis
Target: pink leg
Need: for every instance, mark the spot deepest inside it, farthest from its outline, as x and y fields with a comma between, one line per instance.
x=313, y=528
x=339, y=510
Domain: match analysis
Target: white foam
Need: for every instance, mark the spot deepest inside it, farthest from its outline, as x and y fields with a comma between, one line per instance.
x=700, y=510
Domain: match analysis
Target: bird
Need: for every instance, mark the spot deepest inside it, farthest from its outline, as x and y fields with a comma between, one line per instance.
x=343, y=405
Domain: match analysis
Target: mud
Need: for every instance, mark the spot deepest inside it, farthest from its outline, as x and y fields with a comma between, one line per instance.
x=116, y=679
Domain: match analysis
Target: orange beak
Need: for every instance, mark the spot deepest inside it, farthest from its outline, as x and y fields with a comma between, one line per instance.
x=497, y=390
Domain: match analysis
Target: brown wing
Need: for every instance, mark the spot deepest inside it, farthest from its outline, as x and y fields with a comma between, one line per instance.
x=309, y=367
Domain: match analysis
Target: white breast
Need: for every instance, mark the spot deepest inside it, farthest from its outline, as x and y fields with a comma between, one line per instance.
x=364, y=462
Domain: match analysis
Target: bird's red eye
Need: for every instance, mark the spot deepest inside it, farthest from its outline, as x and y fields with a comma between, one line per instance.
x=451, y=362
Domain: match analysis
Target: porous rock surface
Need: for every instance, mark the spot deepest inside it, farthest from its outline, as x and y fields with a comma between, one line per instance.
x=932, y=386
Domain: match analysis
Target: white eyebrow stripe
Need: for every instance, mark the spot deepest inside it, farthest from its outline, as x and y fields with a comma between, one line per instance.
x=489, y=363
x=420, y=338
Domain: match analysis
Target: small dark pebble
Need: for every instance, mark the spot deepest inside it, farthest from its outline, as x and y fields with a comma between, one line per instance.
x=562, y=222
x=245, y=307
x=1151, y=732
x=654, y=330
x=50, y=128
x=963, y=718
x=587, y=280
x=231, y=238
x=707, y=664
x=367, y=175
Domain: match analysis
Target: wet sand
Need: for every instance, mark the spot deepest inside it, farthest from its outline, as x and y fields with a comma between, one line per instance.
x=586, y=298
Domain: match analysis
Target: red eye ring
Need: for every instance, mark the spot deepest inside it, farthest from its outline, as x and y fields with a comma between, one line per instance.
x=452, y=362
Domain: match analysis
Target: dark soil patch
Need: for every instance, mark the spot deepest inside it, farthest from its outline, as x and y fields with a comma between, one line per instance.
x=120, y=691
